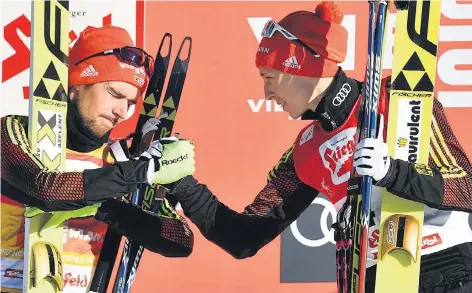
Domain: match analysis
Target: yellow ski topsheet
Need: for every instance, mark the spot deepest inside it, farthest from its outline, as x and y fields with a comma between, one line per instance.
x=408, y=136
x=47, y=114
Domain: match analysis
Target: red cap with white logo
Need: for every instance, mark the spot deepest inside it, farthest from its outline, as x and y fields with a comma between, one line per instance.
x=320, y=31
x=103, y=68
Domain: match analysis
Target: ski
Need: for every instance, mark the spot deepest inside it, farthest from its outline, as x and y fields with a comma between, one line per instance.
x=152, y=98
x=348, y=254
x=353, y=220
x=142, y=143
x=346, y=217
x=363, y=210
x=151, y=197
x=408, y=138
x=47, y=135
x=149, y=108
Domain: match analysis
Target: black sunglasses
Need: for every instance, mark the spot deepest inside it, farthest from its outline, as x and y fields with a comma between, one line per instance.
x=132, y=55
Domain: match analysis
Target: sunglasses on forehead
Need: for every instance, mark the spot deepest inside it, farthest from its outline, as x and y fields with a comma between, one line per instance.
x=131, y=55
x=271, y=27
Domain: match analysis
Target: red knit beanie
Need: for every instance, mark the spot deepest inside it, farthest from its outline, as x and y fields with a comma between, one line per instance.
x=103, y=68
x=321, y=31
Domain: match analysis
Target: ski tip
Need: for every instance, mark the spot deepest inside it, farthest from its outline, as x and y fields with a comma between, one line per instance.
x=189, y=40
x=169, y=50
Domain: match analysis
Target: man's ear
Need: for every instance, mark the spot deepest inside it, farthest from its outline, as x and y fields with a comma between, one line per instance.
x=74, y=91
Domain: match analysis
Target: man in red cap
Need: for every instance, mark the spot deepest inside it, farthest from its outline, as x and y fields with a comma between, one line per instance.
x=298, y=59
x=107, y=76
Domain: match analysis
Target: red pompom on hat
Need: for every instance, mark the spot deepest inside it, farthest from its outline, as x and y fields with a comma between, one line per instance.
x=329, y=11
x=321, y=31
x=103, y=68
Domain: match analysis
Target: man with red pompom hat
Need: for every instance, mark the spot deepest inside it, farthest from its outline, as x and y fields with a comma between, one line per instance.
x=298, y=59
x=107, y=76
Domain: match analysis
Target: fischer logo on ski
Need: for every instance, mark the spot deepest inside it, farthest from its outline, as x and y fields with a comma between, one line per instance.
x=413, y=95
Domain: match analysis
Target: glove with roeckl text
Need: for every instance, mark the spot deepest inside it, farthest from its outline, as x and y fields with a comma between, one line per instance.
x=170, y=159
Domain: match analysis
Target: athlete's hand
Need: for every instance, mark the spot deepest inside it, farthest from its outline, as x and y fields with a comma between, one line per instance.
x=59, y=217
x=371, y=156
x=170, y=159
x=146, y=133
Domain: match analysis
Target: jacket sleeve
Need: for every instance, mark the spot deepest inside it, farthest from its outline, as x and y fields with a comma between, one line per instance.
x=27, y=180
x=165, y=232
x=242, y=234
x=446, y=183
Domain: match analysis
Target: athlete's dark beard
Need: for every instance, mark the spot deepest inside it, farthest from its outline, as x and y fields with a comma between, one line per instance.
x=80, y=136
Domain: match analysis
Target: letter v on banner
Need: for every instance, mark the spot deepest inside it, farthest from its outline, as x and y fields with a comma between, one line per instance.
x=408, y=138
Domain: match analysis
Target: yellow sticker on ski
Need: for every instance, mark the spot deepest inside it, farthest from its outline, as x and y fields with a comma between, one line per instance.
x=47, y=125
x=408, y=138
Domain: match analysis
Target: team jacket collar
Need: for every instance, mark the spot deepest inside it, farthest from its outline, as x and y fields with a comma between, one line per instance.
x=337, y=103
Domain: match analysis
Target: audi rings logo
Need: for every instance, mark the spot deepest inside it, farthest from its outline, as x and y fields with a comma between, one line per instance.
x=342, y=94
x=328, y=232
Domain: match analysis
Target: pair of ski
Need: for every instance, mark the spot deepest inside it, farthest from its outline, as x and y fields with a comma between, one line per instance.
x=150, y=198
x=408, y=135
